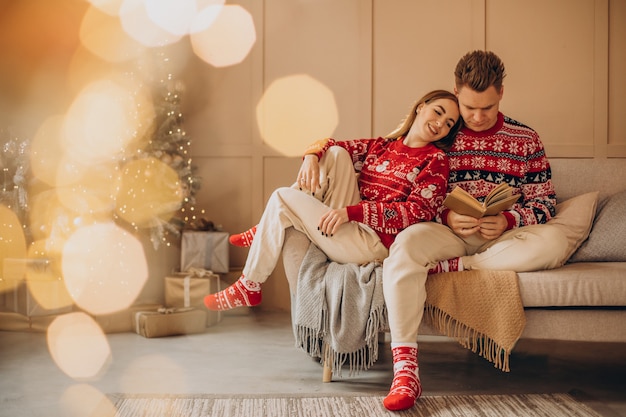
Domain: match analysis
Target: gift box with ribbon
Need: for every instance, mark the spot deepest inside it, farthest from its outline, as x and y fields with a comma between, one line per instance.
x=33, y=287
x=170, y=322
x=188, y=289
x=207, y=250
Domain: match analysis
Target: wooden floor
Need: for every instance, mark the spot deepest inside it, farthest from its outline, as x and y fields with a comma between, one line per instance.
x=253, y=352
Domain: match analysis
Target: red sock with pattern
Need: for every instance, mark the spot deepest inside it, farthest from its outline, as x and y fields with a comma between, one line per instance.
x=449, y=265
x=406, y=386
x=241, y=293
x=243, y=240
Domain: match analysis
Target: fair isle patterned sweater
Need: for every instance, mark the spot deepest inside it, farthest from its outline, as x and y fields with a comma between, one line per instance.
x=399, y=185
x=508, y=152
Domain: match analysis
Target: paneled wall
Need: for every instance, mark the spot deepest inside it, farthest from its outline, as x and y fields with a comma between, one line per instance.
x=565, y=61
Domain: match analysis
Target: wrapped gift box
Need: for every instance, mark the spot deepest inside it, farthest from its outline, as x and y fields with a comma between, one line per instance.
x=206, y=250
x=41, y=323
x=122, y=321
x=188, y=289
x=170, y=322
x=11, y=321
x=18, y=292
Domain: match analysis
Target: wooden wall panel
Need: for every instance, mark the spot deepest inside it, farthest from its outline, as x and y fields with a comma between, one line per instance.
x=549, y=52
x=416, y=47
x=329, y=41
x=617, y=81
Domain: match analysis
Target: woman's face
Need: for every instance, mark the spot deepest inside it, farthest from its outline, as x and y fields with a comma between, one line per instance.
x=435, y=119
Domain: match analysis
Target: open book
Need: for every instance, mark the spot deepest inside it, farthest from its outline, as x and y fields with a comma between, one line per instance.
x=500, y=198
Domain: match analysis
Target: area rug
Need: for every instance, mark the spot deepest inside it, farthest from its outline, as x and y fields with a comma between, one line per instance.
x=347, y=405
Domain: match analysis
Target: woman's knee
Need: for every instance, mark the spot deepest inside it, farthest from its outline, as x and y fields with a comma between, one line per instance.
x=337, y=152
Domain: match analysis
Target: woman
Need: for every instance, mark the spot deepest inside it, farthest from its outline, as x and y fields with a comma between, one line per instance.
x=402, y=180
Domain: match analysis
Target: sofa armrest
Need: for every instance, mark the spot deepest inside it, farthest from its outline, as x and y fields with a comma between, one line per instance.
x=294, y=248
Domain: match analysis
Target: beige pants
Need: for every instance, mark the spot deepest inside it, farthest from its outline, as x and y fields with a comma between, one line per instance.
x=290, y=207
x=422, y=245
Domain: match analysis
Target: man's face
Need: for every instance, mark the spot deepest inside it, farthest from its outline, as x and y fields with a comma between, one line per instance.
x=479, y=110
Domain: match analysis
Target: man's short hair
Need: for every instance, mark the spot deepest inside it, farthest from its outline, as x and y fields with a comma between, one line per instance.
x=479, y=70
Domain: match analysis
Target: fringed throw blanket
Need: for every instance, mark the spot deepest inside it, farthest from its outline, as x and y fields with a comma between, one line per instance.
x=482, y=310
x=342, y=306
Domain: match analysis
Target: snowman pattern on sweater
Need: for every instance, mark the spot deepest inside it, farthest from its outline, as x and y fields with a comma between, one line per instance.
x=399, y=185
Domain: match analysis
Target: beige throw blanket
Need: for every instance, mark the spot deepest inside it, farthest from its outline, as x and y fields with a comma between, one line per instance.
x=482, y=310
x=342, y=306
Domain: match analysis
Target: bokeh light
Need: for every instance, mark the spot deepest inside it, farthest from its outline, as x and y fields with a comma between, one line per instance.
x=46, y=152
x=49, y=218
x=104, y=268
x=44, y=275
x=82, y=400
x=173, y=16
x=12, y=247
x=103, y=121
x=111, y=7
x=92, y=195
x=223, y=35
x=148, y=190
x=78, y=346
x=138, y=24
x=104, y=36
x=296, y=111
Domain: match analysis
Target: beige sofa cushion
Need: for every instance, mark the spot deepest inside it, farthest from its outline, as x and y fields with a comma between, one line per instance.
x=574, y=218
x=576, y=284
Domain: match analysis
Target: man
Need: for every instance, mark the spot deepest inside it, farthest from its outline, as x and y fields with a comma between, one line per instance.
x=489, y=150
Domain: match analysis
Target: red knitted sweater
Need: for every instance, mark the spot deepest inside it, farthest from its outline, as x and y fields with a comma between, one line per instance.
x=399, y=185
x=508, y=152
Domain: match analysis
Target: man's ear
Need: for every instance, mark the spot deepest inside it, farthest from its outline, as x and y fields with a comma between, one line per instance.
x=501, y=92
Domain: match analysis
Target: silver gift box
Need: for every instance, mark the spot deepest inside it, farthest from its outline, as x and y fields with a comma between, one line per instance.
x=206, y=250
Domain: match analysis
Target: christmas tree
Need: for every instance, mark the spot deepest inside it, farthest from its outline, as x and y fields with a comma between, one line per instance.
x=170, y=144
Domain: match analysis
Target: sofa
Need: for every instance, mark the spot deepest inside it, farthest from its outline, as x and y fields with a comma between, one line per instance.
x=585, y=298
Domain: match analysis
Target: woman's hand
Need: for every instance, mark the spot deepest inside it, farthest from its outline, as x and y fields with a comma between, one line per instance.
x=309, y=174
x=330, y=222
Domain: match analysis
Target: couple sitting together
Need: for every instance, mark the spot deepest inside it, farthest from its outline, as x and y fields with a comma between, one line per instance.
x=392, y=210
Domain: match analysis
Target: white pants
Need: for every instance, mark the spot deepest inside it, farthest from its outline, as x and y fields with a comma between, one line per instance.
x=291, y=207
x=419, y=247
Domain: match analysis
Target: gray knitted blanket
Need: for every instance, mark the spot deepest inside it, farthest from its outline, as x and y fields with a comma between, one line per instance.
x=328, y=292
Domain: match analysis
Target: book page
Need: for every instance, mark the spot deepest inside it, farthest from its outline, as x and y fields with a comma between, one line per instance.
x=462, y=202
x=499, y=199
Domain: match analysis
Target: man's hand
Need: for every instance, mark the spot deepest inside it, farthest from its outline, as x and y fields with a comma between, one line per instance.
x=309, y=175
x=330, y=222
x=492, y=227
x=462, y=225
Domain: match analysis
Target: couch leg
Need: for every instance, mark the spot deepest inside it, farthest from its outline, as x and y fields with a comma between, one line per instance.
x=327, y=375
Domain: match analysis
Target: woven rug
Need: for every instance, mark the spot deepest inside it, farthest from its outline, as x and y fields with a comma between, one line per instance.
x=347, y=405
x=483, y=310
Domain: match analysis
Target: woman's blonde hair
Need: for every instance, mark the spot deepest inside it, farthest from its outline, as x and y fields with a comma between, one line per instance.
x=444, y=143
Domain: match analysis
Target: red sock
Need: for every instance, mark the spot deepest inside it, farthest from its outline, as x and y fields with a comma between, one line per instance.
x=449, y=265
x=406, y=386
x=241, y=293
x=243, y=240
